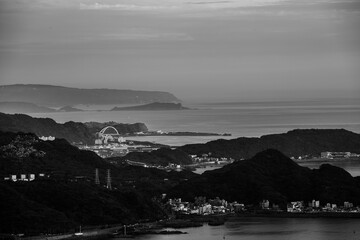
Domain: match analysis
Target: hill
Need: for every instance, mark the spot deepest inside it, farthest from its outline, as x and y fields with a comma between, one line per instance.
x=23, y=107
x=295, y=143
x=273, y=176
x=69, y=197
x=74, y=132
x=48, y=95
x=156, y=106
x=69, y=109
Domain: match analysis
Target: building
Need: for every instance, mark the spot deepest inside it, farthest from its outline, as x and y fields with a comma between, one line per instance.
x=49, y=138
x=265, y=204
x=205, y=209
x=23, y=177
x=348, y=205
x=314, y=203
x=297, y=206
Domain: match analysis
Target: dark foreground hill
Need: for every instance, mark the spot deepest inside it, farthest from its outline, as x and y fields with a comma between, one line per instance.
x=50, y=206
x=57, y=96
x=273, y=176
x=74, y=132
x=69, y=197
x=295, y=143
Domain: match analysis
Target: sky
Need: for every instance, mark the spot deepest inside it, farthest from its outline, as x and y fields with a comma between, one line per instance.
x=206, y=50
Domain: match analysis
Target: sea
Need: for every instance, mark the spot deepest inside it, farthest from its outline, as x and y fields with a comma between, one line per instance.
x=245, y=119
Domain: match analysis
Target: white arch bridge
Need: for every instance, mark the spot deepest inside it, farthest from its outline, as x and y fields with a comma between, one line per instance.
x=104, y=135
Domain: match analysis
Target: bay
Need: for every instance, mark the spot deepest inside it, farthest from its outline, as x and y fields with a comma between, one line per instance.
x=272, y=229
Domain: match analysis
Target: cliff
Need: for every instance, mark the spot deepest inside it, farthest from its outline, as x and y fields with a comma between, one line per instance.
x=295, y=143
x=273, y=176
x=48, y=95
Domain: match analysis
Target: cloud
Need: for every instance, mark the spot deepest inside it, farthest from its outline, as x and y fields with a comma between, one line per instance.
x=143, y=36
x=174, y=4
x=128, y=7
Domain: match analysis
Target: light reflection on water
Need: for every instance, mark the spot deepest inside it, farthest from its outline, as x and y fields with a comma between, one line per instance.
x=272, y=229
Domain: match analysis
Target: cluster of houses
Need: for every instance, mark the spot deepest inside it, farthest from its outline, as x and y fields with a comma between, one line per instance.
x=207, y=158
x=48, y=138
x=314, y=206
x=201, y=206
x=332, y=155
x=25, y=177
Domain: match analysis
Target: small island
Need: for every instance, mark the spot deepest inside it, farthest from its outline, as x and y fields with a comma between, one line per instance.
x=155, y=106
x=69, y=109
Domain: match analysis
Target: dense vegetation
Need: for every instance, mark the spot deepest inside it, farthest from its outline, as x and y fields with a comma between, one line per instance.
x=51, y=206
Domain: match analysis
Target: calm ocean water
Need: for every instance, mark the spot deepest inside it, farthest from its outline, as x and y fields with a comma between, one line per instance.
x=272, y=229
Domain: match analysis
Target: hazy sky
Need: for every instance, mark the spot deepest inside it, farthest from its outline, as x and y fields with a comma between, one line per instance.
x=196, y=49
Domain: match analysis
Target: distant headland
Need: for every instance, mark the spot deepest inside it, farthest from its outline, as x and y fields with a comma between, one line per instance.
x=59, y=96
x=155, y=106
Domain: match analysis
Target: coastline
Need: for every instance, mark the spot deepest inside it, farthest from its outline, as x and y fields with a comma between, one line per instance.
x=186, y=221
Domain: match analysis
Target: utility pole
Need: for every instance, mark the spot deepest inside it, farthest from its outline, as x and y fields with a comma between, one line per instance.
x=108, y=179
x=97, y=181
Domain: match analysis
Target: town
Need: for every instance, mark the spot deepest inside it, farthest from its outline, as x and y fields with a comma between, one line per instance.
x=202, y=206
